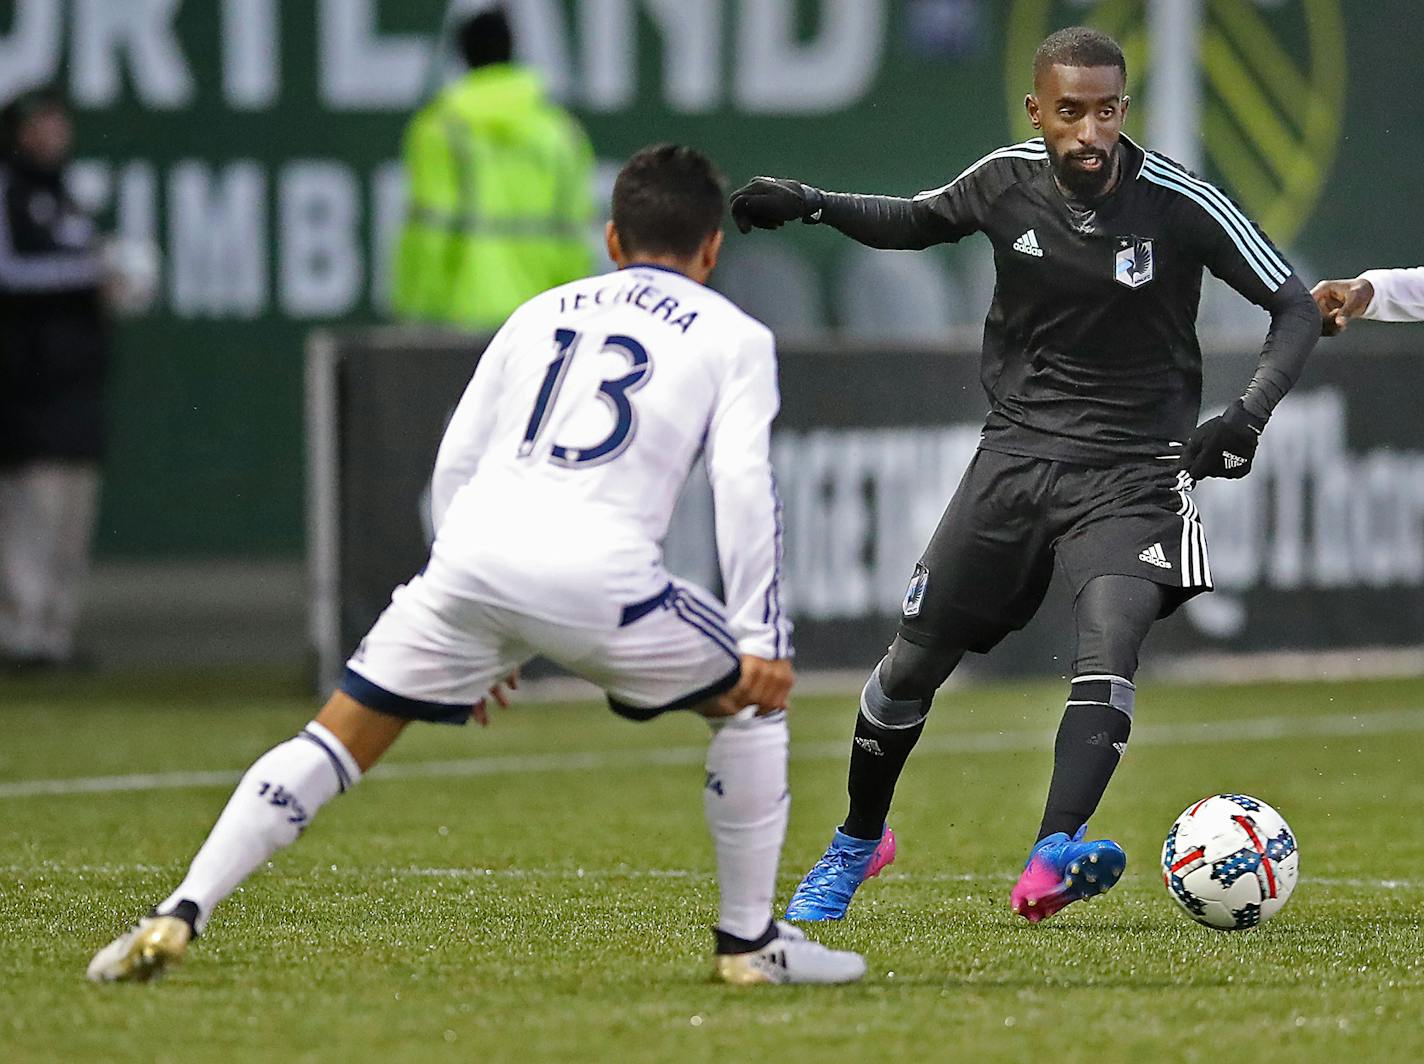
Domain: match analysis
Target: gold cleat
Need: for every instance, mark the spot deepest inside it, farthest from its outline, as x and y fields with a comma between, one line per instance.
x=745, y=969
x=143, y=952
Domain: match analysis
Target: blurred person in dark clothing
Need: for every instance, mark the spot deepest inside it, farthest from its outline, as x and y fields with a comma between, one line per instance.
x=54, y=350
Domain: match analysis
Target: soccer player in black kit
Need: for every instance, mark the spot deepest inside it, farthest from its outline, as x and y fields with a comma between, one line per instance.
x=1090, y=451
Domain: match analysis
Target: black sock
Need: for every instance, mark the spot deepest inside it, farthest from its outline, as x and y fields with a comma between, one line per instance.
x=1090, y=742
x=732, y=944
x=876, y=758
x=185, y=910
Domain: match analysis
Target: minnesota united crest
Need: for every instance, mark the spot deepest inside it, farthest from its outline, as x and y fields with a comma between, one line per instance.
x=915, y=593
x=1133, y=265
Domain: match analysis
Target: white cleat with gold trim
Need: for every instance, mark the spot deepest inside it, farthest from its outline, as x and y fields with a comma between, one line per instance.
x=143, y=952
x=789, y=958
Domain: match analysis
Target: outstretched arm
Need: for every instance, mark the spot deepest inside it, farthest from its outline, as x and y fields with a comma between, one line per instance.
x=938, y=216
x=876, y=221
x=1376, y=295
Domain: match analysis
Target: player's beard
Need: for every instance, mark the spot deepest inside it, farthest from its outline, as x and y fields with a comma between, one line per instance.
x=1086, y=186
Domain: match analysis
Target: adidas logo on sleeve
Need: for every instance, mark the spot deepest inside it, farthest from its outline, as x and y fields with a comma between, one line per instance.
x=1028, y=244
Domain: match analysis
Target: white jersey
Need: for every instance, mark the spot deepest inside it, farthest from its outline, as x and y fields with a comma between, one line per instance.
x=1399, y=294
x=558, y=473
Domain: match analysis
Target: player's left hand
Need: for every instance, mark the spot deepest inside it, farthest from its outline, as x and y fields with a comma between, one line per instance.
x=1225, y=446
x=1339, y=301
x=765, y=684
x=480, y=711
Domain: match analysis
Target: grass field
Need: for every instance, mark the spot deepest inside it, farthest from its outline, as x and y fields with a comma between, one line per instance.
x=494, y=897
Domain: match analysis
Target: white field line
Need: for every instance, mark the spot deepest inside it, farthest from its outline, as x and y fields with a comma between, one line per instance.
x=1245, y=730
x=475, y=873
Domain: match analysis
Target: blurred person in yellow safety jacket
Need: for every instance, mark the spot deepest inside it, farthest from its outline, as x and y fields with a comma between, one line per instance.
x=500, y=191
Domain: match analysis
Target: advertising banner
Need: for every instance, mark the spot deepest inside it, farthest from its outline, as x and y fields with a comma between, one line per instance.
x=1322, y=546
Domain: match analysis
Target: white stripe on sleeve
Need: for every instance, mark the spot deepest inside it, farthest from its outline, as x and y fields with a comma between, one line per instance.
x=1029, y=149
x=1257, y=253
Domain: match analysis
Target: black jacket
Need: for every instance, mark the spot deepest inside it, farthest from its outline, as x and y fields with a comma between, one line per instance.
x=54, y=334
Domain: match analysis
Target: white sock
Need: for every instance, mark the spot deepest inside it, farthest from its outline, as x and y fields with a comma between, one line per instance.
x=747, y=804
x=273, y=804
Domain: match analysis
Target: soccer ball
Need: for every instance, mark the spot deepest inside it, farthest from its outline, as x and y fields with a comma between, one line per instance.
x=1231, y=861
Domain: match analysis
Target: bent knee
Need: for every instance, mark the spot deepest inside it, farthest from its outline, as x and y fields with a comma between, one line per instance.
x=1110, y=649
x=913, y=672
x=892, y=714
x=366, y=732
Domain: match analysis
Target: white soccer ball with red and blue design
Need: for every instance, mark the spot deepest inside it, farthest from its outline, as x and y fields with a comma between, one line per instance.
x=1230, y=861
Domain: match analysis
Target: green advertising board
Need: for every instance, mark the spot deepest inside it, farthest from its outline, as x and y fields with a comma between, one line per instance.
x=254, y=142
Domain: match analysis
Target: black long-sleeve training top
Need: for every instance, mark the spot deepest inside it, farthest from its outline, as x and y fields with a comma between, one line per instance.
x=1090, y=349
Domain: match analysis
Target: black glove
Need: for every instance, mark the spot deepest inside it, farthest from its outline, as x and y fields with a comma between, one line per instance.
x=1223, y=446
x=771, y=202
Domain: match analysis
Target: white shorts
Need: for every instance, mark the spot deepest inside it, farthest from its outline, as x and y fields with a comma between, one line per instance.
x=432, y=655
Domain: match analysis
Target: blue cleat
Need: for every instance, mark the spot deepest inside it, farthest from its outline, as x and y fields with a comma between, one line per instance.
x=825, y=892
x=1061, y=871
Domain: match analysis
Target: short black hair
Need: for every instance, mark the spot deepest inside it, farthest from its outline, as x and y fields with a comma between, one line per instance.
x=667, y=200
x=485, y=38
x=1078, y=46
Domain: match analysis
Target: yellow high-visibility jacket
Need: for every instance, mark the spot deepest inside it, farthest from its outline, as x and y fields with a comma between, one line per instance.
x=500, y=200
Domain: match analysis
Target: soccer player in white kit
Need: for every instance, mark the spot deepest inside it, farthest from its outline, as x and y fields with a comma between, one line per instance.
x=553, y=489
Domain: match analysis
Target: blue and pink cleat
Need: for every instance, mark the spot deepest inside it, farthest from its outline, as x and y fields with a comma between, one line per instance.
x=1061, y=871
x=825, y=892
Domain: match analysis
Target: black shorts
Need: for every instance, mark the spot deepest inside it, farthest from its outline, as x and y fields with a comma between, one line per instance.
x=988, y=564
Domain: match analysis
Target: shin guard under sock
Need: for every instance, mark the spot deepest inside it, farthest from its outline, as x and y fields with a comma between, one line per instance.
x=1091, y=740
x=886, y=730
x=747, y=803
x=272, y=805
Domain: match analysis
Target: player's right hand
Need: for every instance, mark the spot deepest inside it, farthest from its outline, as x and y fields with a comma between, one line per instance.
x=1339, y=301
x=764, y=684
x=769, y=203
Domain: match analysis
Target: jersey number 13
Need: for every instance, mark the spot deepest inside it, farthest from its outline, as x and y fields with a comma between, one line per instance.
x=613, y=392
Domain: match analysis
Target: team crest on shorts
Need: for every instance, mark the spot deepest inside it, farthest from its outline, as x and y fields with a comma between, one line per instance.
x=915, y=593
x=1133, y=265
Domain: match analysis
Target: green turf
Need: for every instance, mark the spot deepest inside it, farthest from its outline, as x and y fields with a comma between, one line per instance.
x=562, y=914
